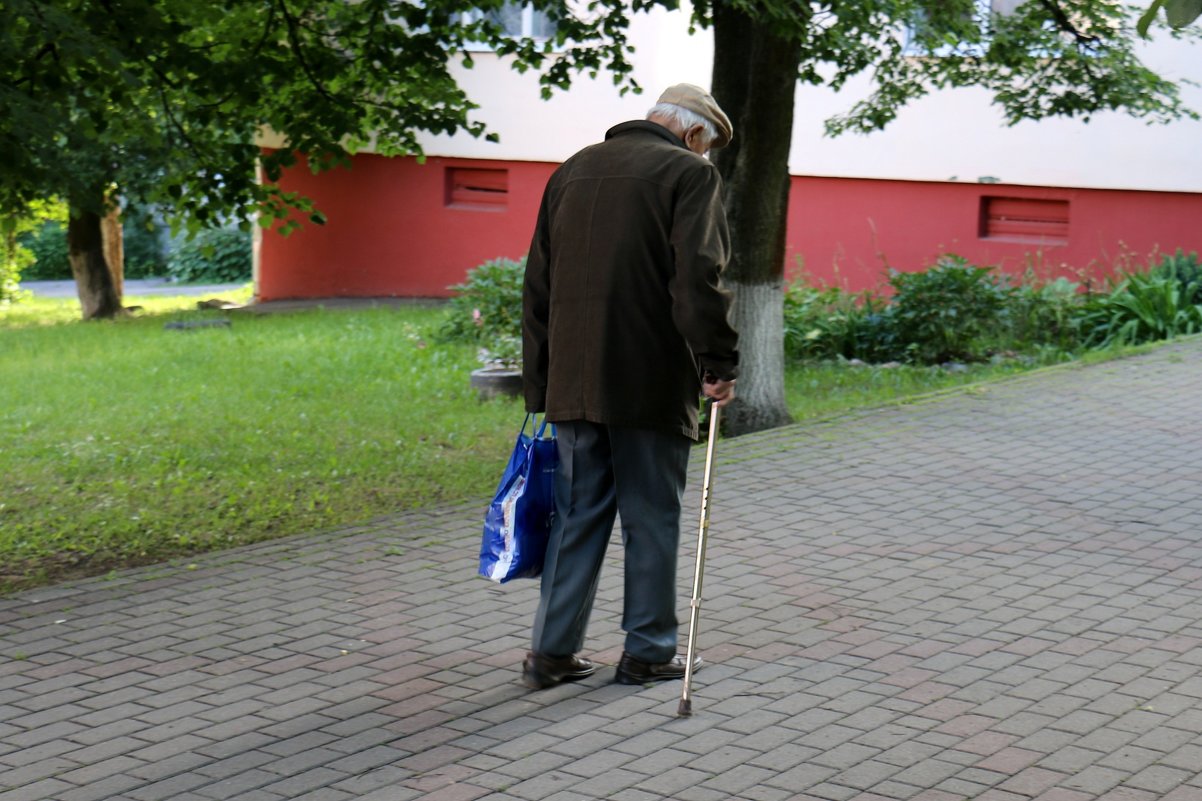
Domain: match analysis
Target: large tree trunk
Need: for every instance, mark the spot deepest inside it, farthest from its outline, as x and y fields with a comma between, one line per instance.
x=99, y=293
x=755, y=76
x=114, y=249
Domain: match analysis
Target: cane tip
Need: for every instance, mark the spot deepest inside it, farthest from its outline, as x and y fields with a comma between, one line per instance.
x=685, y=710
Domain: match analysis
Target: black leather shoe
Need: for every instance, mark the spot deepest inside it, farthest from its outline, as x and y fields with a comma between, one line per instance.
x=540, y=671
x=635, y=671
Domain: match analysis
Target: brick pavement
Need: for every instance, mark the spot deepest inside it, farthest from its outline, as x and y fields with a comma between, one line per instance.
x=989, y=595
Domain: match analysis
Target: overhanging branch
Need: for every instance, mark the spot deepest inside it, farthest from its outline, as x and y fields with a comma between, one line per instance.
x=1065, y=24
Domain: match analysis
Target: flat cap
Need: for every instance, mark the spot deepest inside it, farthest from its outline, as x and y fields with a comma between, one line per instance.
x=699, y=101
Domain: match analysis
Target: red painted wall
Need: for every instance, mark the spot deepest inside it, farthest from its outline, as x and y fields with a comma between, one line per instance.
x=845, y=231
x=392, y=232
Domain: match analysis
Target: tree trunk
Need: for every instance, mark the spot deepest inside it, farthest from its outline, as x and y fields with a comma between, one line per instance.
x=99, y=295
x=10, y=266
x=755, y=76
x=114, y=249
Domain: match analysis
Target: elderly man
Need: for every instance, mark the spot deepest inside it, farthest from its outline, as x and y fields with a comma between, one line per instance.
x=624, y=326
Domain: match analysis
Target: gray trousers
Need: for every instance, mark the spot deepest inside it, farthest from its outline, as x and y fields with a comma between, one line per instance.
x=605, y=471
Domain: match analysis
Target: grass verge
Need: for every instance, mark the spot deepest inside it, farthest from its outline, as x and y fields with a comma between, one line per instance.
x=128, y=442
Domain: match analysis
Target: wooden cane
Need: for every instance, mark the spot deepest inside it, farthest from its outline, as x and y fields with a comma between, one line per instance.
x=686, y=700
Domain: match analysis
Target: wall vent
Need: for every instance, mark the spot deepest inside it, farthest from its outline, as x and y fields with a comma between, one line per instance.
x=1024, y=220
x=473, y=188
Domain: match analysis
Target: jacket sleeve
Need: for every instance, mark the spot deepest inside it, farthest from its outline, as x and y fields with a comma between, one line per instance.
x=701, y=249
x=536, y=301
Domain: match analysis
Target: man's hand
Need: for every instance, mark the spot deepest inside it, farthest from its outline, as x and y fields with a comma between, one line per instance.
x=722, y=392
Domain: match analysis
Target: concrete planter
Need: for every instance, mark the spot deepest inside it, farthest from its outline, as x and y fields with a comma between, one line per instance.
x=497, y=382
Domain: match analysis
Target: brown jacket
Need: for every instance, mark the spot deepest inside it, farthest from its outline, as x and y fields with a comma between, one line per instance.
x=622, y=309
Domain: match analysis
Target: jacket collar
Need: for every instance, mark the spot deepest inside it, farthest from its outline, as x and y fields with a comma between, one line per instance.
x=645, y=126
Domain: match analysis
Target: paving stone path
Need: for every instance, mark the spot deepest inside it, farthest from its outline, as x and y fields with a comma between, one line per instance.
x=991, y=595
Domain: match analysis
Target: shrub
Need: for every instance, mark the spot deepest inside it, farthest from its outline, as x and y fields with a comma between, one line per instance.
x=216, y=255
x=810, y=322
x=13, y=259
x=142, y=243
x=1045, y=314
x=1183, y=268
x=487, y=309
x=948, y=312
x=1142, y=307
x=956, y=311
x=48, y=243
x=872, y=333
x=143, y=248
x=830, y=323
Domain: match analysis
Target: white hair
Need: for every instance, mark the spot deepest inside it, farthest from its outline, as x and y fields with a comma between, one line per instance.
x=686, y=119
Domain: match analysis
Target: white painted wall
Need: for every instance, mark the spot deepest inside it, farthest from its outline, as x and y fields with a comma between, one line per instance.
x=532, y=129
x=959, y=135
x=954, y=135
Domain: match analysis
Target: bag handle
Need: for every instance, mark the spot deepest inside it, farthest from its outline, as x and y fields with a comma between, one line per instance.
x=537, y=430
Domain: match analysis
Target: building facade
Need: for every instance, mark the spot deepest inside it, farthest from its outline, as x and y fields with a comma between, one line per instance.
x=1058, y=197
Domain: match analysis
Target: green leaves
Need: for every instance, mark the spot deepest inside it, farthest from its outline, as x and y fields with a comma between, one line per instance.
x=488, y=304
x=1041, y=60
x=1182, y=12
x=943, y=313
x=957, y=311
x=487, y=310
x=1144, y=307
x=220, y=255
x=1178, y=13
x=167, y=99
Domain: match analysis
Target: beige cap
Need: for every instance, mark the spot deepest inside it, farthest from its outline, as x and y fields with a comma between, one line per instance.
x=699, y=101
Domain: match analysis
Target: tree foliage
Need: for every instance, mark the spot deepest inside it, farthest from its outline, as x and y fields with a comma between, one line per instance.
x=164, y=100
x=1046, y=58
x=1177, y=13
x=15, y=254
x=167, y=102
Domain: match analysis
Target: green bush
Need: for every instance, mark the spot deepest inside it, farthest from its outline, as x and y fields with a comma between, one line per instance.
x=959, y=312
x=1045, y=315
x=14, y=258
x=949, y=312
x=143, y=248
x=1141, y=307
x=873, y=333
x=48, y=243
x=1183, y=268
x=830, y=323
x=810, y=321
x=217, y=255
x=487, y=309
x=143, y=244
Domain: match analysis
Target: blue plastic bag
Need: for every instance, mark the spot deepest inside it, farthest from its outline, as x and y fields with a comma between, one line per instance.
x=518, y=521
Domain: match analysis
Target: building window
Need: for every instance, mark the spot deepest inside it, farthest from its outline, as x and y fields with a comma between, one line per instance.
x=516, y=20
x=473, y=188
x=1015, y=219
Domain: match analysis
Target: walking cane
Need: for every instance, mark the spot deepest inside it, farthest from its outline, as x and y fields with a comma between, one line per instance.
x=686, y=700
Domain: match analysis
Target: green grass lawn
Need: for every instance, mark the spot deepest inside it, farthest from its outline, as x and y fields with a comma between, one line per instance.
x=126, y=442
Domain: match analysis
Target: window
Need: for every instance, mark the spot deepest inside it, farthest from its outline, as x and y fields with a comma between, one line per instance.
x=472, y=188
x=516, y=20
x=1017, y=219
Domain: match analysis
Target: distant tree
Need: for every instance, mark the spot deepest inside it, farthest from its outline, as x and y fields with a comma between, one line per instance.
x=162, y=101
